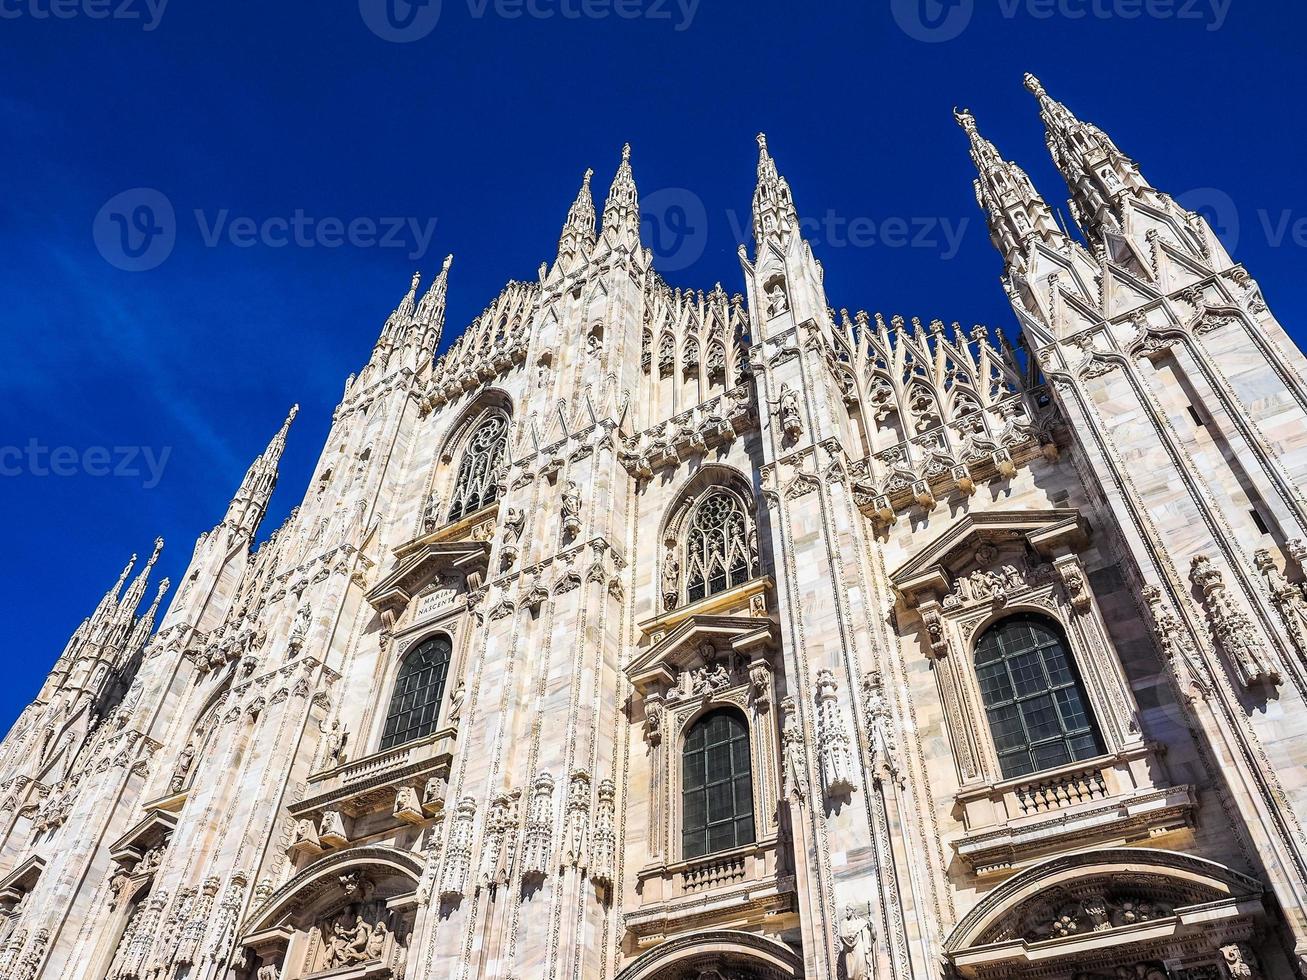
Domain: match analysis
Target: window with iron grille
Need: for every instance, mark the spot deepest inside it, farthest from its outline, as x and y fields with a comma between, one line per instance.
x=716, y=546
x=415, y=703
x=478, y=475
x=1038, y=713
x=716, y=785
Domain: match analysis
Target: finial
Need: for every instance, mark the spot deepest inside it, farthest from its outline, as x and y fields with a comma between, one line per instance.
x=762, y=142
x=294, y=410
x=585, y=181
x=449, y=260
x=965, y=119
x=626, y=152
x=1034, y=86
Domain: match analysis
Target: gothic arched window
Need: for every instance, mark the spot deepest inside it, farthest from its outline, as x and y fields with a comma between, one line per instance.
x=478, y=475
x=716, y=546
x=415, y=702
x=716, y=785
x=1038, y=713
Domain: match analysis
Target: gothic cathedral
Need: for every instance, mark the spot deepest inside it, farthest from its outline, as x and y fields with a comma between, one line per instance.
x=661, y=634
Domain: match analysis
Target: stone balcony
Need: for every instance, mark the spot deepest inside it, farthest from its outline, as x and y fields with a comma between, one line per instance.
x=1112, y=800
x=734, y=888
x=366, y=785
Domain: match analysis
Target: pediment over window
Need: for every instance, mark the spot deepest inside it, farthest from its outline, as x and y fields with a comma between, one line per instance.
x=699, y=642
x=424, y=564
x=149, y=835
x=1048, y=533
x=21, y=880
x=1105, y=907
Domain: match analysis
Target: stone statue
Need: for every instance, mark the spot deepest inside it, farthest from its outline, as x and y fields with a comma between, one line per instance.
x=182, y=769
x=300, y=629
x=794, y=771
x=335, y=739
x=571, y=508
x=856, y=938
x=788, y=411
x=671, y=580
x=777, y=302
x=456, y=698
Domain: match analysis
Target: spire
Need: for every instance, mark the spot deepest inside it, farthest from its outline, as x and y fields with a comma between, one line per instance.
x=774, y=216
x=622, y=209
x=145, y=625
x=132, y=598
x=110, y=600
x=251, y=501
x=1097, y=172
x=429, y=319
x=579, y=228
x=1016, y=213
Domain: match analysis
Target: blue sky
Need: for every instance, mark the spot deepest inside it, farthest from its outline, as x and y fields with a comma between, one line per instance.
x=393, y=136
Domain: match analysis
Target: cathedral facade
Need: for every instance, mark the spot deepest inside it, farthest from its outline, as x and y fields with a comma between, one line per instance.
x=661, y=634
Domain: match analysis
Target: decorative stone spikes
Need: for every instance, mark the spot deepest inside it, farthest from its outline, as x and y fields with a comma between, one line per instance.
x=579, y=229
x=429, y=318
x=1096, y=171
x=833, y=740
x=774, y=216
x=604, y=847
x=1232, y=628
x=145, y=625
x=1014, y=209
x=458, y=852
x=622, y=209
x=539, y=828
x=247, y=508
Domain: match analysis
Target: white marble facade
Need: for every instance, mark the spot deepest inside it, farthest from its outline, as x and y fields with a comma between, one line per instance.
x=652, y=633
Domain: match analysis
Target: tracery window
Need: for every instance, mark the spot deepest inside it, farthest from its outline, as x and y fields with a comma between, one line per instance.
x=666, y=354
x=478, y=474
x=716, y=785
x=415, y=702
x=716, y=546
x=1038, y=713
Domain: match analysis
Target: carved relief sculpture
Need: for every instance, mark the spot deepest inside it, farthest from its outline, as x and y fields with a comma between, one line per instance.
x=458, y=852
x=1289, y=599
x=539, y=835
x=604, y=848
x=1232, y=628
x=832, y=739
